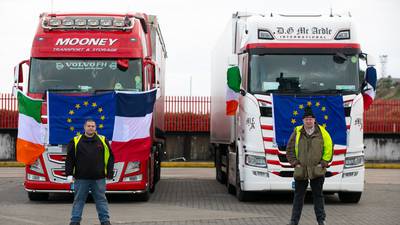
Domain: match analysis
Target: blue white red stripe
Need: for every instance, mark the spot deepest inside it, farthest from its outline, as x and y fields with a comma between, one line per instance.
x=369, y=87
x=131, y=139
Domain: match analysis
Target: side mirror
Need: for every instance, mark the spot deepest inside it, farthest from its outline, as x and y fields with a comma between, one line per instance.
x=371, y=60
x=150, y=66
x=19, y=75
x=233, y=78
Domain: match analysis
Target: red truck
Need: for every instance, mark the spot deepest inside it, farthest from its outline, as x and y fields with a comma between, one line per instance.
x=82, y=53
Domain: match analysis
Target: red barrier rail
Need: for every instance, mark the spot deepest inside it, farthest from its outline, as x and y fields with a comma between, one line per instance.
x=192, y=114
x=383, y=117
x=8, y=111
x=187, y=113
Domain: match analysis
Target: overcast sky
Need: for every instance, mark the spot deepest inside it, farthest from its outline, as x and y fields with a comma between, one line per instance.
x=191, y=28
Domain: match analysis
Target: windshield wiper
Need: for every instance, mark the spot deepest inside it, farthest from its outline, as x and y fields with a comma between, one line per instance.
x=330, y=91
x=62, y=90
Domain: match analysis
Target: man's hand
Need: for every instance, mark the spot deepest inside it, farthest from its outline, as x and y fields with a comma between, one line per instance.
x=324, y=164
x=70, y=179
x=296, y=163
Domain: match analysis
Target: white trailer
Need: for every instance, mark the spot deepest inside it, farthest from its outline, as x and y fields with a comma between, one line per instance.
x=266, y=47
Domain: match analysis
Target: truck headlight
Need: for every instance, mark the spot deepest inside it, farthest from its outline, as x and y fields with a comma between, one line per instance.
x=354, y=161
x=257, y=161
x=132, y=167
x=135, y=178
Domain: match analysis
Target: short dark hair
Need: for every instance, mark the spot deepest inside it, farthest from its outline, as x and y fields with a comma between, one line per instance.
x=89, y=120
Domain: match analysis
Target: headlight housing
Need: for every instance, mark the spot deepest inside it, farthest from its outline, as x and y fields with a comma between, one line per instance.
x=132, y=167
x=37, y=166
x=257, y=161
x=354, y=161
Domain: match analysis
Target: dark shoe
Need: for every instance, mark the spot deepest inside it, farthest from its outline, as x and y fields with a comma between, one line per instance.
x=75, y=223
x=106, y=223
x=322, y=223
x=292, y=223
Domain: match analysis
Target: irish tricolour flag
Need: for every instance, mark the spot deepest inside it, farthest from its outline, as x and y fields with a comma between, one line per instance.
x=30, y=142
x=232, y=90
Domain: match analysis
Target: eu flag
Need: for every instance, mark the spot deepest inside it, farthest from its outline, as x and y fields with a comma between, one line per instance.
x=67, y=115
x=328, y=110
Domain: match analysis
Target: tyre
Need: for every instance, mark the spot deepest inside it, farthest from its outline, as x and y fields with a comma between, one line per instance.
x=158, y=163
x=350, y=197
x=241, y=195
x=219, y=175
x=152, y=188
x=231, y=189
x=38, y=196
x=142, y=197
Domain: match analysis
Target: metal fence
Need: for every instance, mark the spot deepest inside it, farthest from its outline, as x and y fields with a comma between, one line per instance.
x=187, y=113
x=383, y=117
x=192, y=114
x=8, y=111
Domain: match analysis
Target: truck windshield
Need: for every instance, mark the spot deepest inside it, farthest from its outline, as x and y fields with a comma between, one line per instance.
x=84, y=75
x=304, y=74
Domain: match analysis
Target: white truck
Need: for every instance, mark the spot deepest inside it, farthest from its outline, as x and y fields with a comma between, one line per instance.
x=314, y=55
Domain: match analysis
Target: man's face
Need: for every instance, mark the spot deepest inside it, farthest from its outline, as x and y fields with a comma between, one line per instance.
x=90, y=127
x=309, y=122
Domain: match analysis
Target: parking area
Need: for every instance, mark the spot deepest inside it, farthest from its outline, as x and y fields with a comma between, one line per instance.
x=192, y=196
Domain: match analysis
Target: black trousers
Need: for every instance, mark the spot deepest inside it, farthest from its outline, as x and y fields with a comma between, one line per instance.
x=318, y=199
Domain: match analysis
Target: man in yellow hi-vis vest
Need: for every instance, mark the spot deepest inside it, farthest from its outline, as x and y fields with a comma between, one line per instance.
x=89, y=162
x=309, y=151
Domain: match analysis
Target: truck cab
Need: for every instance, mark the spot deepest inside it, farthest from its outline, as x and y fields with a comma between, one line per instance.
x=85, y=54
x=292, y=55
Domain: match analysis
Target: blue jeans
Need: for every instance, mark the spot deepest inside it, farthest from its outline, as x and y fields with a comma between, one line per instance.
x=98, y=189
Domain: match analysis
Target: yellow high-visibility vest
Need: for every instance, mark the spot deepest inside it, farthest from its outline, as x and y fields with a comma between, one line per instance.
x=328, y=145
x=106, y=149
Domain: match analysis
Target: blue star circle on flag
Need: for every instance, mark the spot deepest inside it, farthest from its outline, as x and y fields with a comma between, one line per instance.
x=79, y=106
x=317, y=108
x=69, y=113
x=328, y=110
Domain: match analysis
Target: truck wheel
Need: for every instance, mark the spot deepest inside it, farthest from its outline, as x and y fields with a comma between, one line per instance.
x=231, y=189
x=219, y=175
x=142, y=197
x=350, y=197
x=241, y=195
x=38, y=196
x=158, y=163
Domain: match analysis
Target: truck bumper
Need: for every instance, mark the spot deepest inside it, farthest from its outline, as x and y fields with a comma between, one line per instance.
x=119, y=187
x=255, y=179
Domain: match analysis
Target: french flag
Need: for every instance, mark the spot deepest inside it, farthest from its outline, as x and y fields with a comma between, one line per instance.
x=131, y=140
x=369, y=87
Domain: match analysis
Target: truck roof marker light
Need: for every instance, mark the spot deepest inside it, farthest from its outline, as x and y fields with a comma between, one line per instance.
x=93, y=22
x=343, y=35
x=80, y=22
x=119, y=23
x=265, y=34
x=54, y=22
x=106, y=22
x=68, y=22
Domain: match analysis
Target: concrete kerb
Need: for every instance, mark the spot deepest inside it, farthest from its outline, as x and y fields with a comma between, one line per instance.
x=11, y=164
x=211, y=165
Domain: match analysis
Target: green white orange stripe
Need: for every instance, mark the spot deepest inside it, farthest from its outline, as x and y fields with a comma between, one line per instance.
x=30, y=142
x=232, y=101
x=232, y=90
